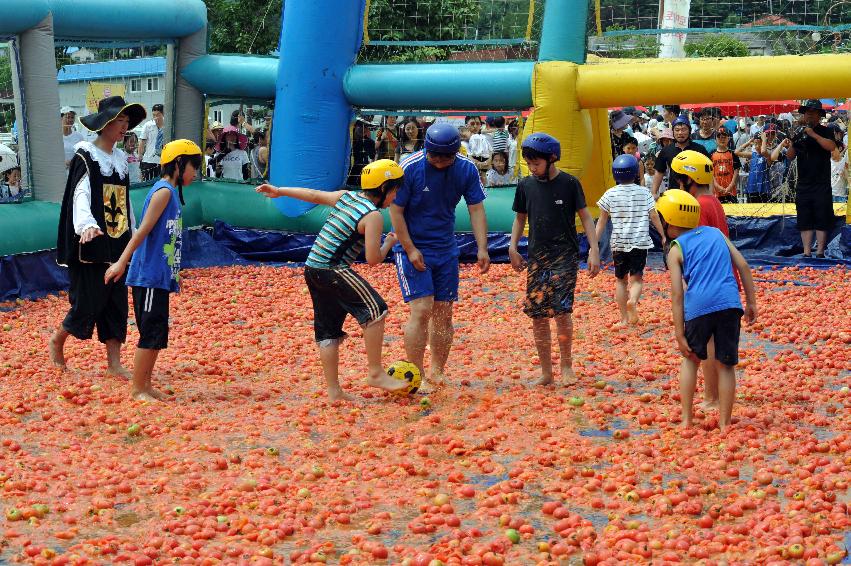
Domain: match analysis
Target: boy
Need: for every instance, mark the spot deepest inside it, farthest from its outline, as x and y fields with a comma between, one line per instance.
x=155, y=267
x=353, y=225
x=95, y=224
x=550, y=199
x=631, y=209
x=725, y=165
x=710, y=307
x=630, y=147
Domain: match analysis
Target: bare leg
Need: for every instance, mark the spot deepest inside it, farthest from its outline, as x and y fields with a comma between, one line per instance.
x=143, y=367
x=330, y=357
x=710, y=377
x=57, y=347
x=373, y=337
x=564, y=326
x=807, y=240
x=543, y=342
x=688, y=380
x=416, y=331
x=726, y=393
x=440, y=339
x=621, y=297
x=113, y=360
x=636, y=285
x=821, y=241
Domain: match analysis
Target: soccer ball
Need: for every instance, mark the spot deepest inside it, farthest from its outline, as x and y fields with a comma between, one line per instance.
x=406, y=371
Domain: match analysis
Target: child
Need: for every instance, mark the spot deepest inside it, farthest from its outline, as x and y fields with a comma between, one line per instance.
x=550, y=199
x=630, y=147
x=631, y=209
x=353, y=225
x=710, y=307
x=758, y=188
x=209, y=159
x=464, y=133
x=500, y=174
x=496, y=128
x=649, y=169
x=131, y=142
x=10, y=183
x=155, y=266
x=725, y=165
x=95, y=224
x=233, y=162
x=479, y=147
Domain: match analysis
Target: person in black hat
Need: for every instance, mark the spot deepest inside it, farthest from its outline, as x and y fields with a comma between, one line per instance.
x=619, y=121
x=95, y=223
x=812, y=144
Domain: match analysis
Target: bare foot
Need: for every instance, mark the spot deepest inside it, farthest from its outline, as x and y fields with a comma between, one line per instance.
x=157, y=394
x=632, y=312
x=621, y=324
x=57, y=352
x=143, y=396
x=340, y=395
x=568, y=376
x=709, y=404
x=119, y=371
x=543, y=380
x=386, y=382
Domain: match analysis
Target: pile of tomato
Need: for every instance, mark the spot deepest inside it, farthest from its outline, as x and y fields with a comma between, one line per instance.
x=249, y=463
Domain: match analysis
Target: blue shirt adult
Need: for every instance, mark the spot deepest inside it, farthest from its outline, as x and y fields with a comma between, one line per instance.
x=429, y=196
x=708, y=272
x=758, y=179
x=156, y=262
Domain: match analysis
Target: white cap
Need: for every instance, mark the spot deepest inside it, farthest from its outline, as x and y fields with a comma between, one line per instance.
x=65, y=109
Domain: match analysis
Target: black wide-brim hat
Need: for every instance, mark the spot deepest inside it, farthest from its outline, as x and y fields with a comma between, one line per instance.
x=109, y=109
x=812, y=104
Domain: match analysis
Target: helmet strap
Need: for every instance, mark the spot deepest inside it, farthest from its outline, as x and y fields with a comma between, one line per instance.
x=181, y=169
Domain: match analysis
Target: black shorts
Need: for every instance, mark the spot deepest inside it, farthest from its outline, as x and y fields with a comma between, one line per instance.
x=815, y=209
x=759, y=198
x=550, y=283
x=151, y=309
x=728, y=199
x=724, y=326
x=337, y=292
x=629, y=263
x=94, y=303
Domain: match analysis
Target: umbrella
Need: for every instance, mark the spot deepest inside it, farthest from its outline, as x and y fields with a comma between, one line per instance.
x=8, y=158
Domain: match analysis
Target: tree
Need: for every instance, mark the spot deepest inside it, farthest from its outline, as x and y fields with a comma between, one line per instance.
x=717, y=46
x=5, y=73
x=244, y=26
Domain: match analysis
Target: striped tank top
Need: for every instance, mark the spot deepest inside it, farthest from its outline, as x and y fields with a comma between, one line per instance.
x=339, y=242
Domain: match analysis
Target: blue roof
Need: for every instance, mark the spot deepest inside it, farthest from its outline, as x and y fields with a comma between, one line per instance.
x=147, y=67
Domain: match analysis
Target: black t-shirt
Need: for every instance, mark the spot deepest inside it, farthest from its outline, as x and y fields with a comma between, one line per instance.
x=667, y=155
x=552, y=208
x=813, y=159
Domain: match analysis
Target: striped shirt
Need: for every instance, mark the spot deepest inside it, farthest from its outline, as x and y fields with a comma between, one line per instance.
x=629, y=206
x=339, y=242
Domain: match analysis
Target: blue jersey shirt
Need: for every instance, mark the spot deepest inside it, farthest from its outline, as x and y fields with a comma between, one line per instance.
x=708, y=272
x=430, y=196
x=156, y=263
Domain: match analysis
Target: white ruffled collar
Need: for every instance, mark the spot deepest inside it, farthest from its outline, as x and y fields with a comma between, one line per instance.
x=109, y=163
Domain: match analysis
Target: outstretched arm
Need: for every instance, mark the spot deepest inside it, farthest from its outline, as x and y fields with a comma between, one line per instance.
x=328, y=198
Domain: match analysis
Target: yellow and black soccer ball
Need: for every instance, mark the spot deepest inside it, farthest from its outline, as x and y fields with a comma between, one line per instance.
x=407, y=372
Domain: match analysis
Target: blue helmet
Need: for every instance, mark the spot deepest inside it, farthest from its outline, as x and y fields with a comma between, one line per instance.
x=681, y=119
x=442, y=138
x=543, y=143
x=625, y=168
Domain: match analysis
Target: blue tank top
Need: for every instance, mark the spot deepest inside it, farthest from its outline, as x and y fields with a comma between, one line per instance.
x=339, y=242
x=156, y=263
x=708, y=272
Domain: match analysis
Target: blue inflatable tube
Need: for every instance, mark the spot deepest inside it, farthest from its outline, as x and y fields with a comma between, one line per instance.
x=309, y=134
x=233, y=75
x=424, y=86
x=563, y=34
x=20, y=15
x=125, y=19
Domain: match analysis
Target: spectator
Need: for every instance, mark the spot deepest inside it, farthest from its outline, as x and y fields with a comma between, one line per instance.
x=479, y=148
x=237, y=119
x=498, y=133
x=464, y=134
x=839, y=174
x=705, y=134
x=233, y=162
x=618, y=121
x=758, y=186
x=812, y=144
x=649, y=169
x=630, y=147
x=70, y=136
x=363, y=151
x=209, y=159
x=725, y=165
x=670, y=113
x=500, y=174
x=259, y=155
x=151, y=144
x=513, y=132
x=386, y=140
x=410, y=138
x=215, y=133
x=682, y=142
x=758, y=125
x=130, y=144
x=10, y=179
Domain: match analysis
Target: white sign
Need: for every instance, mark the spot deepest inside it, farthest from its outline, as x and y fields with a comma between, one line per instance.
x=674, y=16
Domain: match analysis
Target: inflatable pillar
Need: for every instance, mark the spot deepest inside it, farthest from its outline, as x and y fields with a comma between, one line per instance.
x=309, y=129
x=188, y=102
x=563, y=33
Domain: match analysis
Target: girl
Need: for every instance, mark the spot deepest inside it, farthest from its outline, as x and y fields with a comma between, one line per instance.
x=839, y=172
x=10, y=185
x=233, y=162
x=649, y=169
x=131, y=142
x=500, y=174
x=410, y=139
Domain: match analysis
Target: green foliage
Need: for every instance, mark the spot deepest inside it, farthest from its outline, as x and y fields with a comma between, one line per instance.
x=717, y=45
x=244, y=26
x=631, y=46
x=5, y=73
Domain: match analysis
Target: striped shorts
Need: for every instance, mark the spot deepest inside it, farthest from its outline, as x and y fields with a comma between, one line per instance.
x=337, y=292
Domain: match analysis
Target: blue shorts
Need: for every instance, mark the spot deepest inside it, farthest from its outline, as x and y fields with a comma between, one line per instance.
x=440, y=278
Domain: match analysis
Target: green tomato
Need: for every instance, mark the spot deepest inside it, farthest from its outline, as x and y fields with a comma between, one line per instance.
x=134, y=430
x=576, y=401
x=512, y=535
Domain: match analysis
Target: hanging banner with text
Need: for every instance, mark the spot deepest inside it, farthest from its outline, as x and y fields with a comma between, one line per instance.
x=98, y=91
x=674, y=16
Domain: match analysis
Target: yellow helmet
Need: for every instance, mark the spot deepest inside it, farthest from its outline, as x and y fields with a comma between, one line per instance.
x=694, y=165
x=378, y=172
x=176, y=148
x=679, y=208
